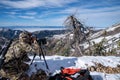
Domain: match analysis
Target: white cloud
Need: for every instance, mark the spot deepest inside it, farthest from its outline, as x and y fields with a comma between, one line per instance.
x=22, y=4
x=66, y=12
x=95, y=17
x=27, y=17
x=58, y=2
x=31, y=13
x=11, y=13
x=85, y=12
x=56, y=21
x=26, y=4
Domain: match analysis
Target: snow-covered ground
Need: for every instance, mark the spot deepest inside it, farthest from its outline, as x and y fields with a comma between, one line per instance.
x=55, y=62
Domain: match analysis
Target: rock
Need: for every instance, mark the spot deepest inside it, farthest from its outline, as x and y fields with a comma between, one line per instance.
x=92, y=68
x=39, y=75
x=100, y=68
x=24, y=76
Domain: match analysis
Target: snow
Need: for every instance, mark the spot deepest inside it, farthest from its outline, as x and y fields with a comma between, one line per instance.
x=55, y=62
x=97, y=34
x=102, y=31
x=59, y=36
x=103, y=76
x=63, y=36
x=109, y=38
x=97, y=40
x=112, y=28
x=106, y=61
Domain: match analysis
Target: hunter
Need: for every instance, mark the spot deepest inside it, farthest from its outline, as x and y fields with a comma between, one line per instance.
x=17, y=56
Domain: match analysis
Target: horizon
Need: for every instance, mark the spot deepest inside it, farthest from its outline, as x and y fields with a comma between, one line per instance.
x=34, y=28
x=95, y=13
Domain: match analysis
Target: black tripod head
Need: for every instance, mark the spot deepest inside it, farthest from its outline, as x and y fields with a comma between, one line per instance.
x=42, y=41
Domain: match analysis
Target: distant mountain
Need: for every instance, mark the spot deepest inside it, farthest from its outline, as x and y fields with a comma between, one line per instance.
x=49, y=33
x=60, y=42
x=6, y=34
x=34, y=28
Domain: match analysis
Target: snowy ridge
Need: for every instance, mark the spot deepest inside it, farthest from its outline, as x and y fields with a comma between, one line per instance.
x=98, y=36
x=101, y=32
x=59, y=36
x=112, y=28
x=55, y=62
x=111, y=40
x=95, y=35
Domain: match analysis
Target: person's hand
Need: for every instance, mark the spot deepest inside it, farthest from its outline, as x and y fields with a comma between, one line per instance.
x=36, y=46
x=35, y=43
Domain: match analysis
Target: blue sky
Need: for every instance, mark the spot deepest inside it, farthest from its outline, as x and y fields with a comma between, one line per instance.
x=96, y=13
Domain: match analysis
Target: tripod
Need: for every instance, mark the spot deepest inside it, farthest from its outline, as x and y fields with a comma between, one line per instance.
x=42, y=53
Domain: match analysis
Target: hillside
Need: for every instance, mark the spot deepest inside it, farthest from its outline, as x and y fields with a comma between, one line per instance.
x=109, y=39
x=59, y=43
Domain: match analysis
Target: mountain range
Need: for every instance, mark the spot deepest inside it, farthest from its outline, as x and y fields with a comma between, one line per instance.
x=58, y=40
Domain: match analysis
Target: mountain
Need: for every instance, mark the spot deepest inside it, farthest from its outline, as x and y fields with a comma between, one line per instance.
x=49, y=33
x=108, y=40
x=60, y=42
x=110, y=31
x=6, y=34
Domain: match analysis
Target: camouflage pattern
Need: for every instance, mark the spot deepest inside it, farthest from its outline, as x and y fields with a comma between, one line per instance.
x=39, y=75
x=24, y=76
x=25, y=37
x=20, y=48
x=17, y=56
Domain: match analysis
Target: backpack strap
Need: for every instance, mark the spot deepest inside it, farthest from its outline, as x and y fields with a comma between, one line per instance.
x=68, y=78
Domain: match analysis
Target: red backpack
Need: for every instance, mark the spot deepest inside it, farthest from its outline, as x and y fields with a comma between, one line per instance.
x=69, y=71
x=72, y=74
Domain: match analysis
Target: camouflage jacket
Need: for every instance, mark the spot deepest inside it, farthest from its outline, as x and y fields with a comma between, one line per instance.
x=17, y=49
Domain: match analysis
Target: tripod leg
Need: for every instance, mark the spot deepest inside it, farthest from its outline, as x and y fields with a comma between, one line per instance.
x=33, y=59
x=40, y=56
x=42, y=53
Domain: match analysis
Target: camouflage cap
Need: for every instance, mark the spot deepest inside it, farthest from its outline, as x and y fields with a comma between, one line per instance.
x=24, y=36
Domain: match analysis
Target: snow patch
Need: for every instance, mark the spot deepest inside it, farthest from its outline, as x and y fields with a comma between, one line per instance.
x=55, y=62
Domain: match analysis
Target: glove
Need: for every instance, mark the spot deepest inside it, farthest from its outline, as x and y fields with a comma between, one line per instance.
x=36, y=47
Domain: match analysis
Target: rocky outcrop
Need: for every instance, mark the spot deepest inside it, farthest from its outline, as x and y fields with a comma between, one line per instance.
x=105, y=69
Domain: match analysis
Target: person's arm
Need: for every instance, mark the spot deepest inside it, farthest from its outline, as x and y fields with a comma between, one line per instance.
x=33, y=48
